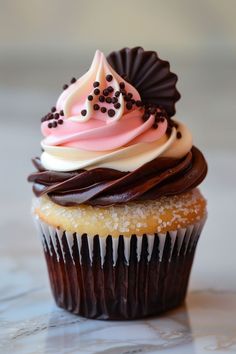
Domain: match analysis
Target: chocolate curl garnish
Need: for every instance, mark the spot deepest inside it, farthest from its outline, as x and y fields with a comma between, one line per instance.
x=150, y=75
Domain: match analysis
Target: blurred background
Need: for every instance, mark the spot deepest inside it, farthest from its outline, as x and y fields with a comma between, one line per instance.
x=45, y=43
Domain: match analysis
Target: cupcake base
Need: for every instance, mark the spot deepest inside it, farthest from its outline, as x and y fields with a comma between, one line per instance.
x=119, y=278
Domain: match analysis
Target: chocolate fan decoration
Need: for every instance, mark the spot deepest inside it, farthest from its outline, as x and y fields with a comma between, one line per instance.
x=149, y=74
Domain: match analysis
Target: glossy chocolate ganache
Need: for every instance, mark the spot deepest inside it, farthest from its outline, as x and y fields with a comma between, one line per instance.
x=104, y=186
x=111, y=137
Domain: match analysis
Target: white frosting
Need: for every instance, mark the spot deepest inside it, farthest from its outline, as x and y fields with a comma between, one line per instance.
x=74, y=99
x=128, y=158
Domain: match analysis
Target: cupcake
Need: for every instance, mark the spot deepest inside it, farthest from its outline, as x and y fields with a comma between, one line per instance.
x=116, y=200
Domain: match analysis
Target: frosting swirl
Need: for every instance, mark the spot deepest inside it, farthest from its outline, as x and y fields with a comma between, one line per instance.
x=89, y=138
x=104, y=144
x=105, y=186
x=126, y=158
x=76, y=98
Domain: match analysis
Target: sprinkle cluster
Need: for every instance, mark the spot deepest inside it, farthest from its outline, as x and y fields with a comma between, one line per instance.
x=110, y=96
x=160, y=116
x=54, y=118
x=172, y=124
x=159, y=113
x=72, y=81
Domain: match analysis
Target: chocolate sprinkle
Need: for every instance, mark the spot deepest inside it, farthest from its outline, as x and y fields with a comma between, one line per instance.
x=90, y=97
x=50, y=125
x=54, y=124
x=152, y=110
x=60, y=121
x=65, y=87
x=96, y=84
x=110, y=89
x=138, y=103
x=117, y=93
x=105, y=92
x=179, y=135
x=146, y=116
x=53, y=109
x=122, y=85
x=96, y=91
x=61, y=112
x=73, y=80
x=96, y=107
x=109, y=78
x=83, y=112
x=117, y=105
x=103, y=109
x=50, y=116
x=168, y=130
x=56, y=115
x=155, y=125
x=127, y=98
x=114, y=99
x=111, y=112
x=101, y=98
x=108, y=100
x=129, y=105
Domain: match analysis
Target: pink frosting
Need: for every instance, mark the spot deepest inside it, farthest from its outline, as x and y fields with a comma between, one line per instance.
x=95, y=135
x=97, y=131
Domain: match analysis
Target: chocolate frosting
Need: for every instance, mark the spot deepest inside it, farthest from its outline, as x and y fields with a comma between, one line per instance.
x=105, y=186
x=149, y=74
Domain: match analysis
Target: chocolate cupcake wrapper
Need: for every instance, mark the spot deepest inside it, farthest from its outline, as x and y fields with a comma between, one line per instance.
x=119, y=277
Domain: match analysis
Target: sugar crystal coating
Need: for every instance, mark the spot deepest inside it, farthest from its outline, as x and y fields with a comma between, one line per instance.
x=162, y=215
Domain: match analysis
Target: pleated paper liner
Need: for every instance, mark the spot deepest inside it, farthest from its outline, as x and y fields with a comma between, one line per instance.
x=119, y=278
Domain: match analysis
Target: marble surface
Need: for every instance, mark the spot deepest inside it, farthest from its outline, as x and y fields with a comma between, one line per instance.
x=31, y=323
x=206, y=324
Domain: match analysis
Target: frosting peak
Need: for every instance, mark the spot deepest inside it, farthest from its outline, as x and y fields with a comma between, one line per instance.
x=101, y=118
x=111, y=137
x=79, y=100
